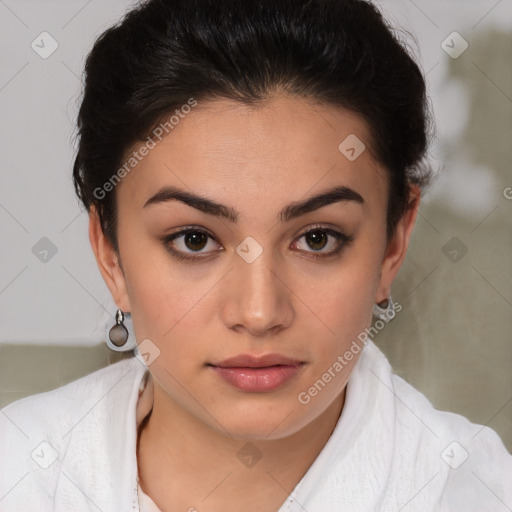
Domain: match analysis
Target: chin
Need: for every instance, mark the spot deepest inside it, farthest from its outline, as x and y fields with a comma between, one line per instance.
x=261, y=423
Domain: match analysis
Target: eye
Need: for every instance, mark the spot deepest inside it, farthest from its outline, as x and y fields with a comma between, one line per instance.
x=320, y=238
x=189, y=241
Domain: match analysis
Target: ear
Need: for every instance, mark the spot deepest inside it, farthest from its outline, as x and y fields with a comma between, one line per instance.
x=397, y=247
x=108, y=262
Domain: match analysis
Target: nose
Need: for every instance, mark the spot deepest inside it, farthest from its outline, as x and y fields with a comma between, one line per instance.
x=257, y=297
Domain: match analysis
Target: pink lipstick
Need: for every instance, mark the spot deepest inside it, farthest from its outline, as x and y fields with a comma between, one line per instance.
x=257, y=374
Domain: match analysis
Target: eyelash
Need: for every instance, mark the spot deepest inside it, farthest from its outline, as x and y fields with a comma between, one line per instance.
x=342, y=239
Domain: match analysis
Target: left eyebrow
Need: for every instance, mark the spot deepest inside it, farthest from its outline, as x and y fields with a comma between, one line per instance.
x=333, y=195
x=289, y=212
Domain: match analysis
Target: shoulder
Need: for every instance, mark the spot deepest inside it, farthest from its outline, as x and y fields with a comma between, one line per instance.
x=468, y=462
x=413, y=408
x=43, y=433
x=73, y=394
x=441, y=458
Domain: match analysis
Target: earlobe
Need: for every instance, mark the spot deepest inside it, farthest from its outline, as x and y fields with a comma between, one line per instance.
x=108, y=262
x=396, y=249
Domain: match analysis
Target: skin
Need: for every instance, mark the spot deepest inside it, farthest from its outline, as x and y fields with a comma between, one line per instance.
x=256, y=161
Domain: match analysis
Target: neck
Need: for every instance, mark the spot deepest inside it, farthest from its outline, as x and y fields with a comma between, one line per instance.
x=183, y=461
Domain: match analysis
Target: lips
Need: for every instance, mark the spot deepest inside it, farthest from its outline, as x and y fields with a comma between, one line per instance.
x=248, y=361
x=257, y=373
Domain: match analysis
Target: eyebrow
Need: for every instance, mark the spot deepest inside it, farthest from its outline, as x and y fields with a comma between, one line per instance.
x=291, y=211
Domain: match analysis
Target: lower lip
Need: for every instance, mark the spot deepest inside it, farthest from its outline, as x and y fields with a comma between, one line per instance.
x=258, y=379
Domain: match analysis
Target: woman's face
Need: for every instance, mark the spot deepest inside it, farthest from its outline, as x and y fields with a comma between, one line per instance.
x=267, y=268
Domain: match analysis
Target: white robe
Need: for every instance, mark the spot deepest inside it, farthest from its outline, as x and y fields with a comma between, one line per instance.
x=73, y=449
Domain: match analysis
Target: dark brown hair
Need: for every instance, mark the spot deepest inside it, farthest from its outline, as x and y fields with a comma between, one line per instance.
x=163, y=52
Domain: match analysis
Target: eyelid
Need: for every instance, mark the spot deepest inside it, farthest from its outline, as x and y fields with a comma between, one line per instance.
x=320, y=227
x=187, y=229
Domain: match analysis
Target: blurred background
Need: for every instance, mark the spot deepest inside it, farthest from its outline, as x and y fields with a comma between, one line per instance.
x=452, y=339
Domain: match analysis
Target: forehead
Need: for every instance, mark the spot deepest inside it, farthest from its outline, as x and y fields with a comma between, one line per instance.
x=253, y=155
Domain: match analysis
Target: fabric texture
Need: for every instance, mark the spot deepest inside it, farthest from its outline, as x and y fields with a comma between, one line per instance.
x=74, y=449
x=144, y=406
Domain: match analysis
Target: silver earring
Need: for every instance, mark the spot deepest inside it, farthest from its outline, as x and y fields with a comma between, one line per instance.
x=384, y=310
x=118, y=335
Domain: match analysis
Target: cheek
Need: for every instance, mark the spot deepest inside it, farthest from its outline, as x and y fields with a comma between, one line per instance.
x=163, y=293
x=166, y=307
x=339, y=304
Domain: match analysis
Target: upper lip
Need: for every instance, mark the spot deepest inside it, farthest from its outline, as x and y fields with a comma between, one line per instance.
x=249, y=361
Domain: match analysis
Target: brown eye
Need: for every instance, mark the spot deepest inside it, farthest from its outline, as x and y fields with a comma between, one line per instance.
x=191, y=244
x=317, y=239
x=195, y=240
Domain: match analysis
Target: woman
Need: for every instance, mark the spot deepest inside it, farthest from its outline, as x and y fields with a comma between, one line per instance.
x=252, y=172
